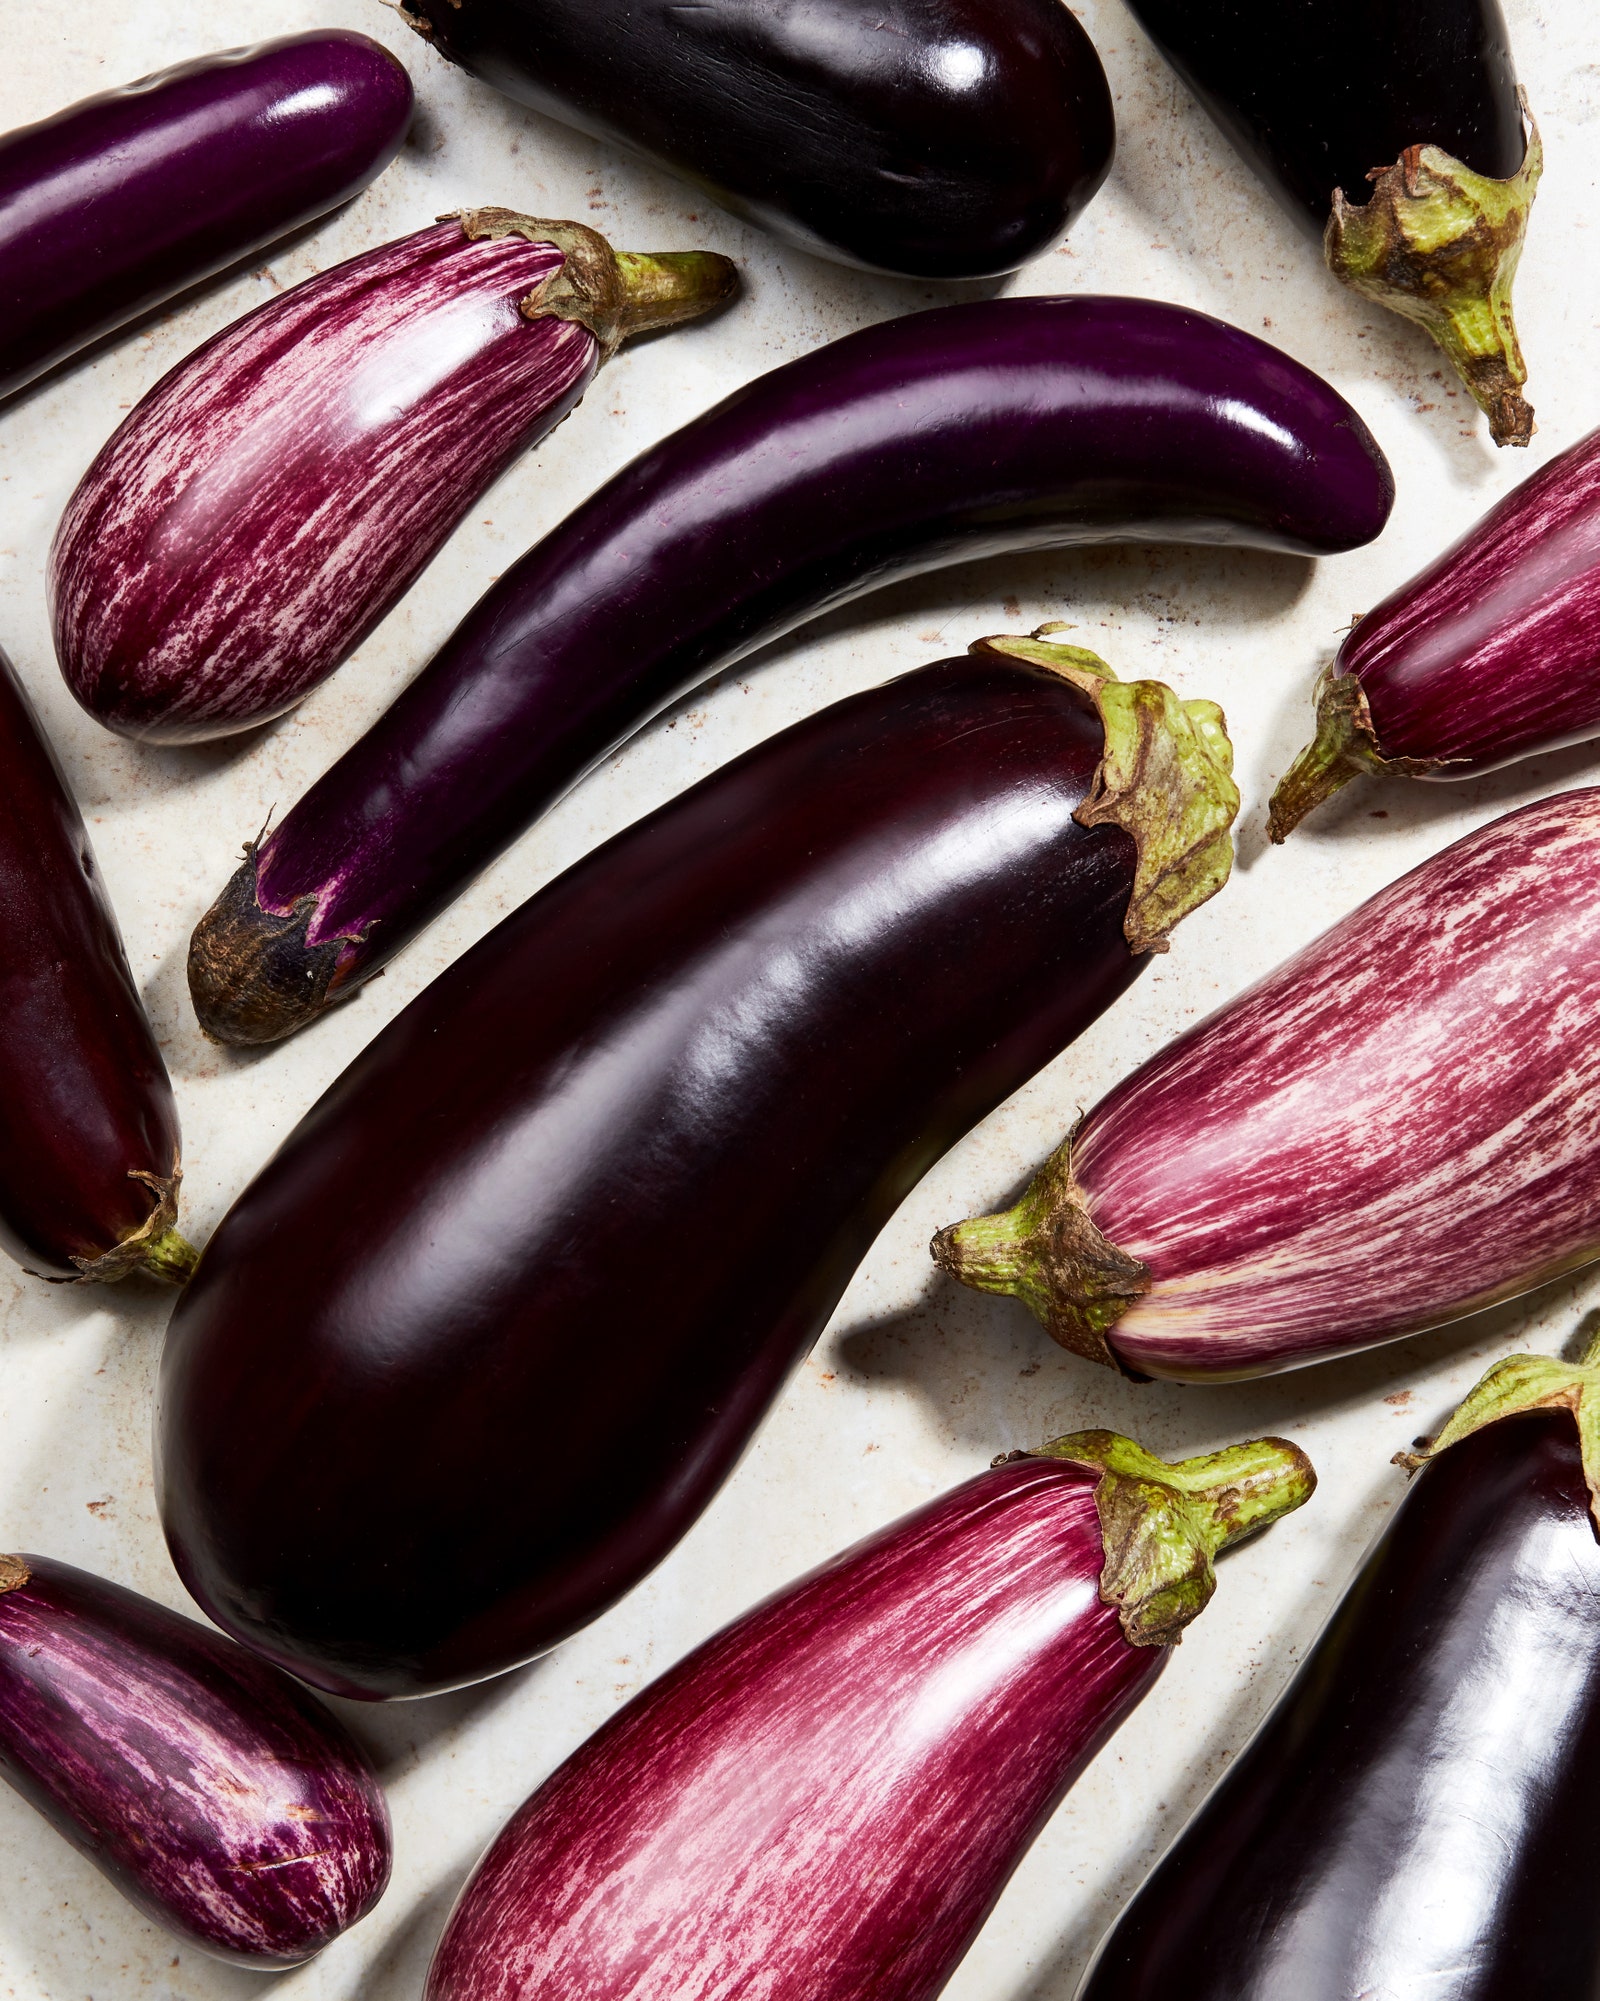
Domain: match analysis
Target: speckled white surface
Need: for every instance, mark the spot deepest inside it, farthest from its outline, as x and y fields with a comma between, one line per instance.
x=915, y=1384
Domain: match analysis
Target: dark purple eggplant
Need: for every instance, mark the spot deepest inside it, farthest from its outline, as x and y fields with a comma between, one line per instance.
x=964, y=432
x=89, y=1164
x=826, y=1798
x=269, y=500
x=1486, y=656
x=935, y=138
x=523, y=1283
x=1394, y=128
x=214, y=1793
x=119, y=203
x=1416, y=1816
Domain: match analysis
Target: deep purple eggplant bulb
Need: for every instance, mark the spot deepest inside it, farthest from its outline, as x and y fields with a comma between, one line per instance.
x=258, y=512
x=213, y=1791
x=823, y=1802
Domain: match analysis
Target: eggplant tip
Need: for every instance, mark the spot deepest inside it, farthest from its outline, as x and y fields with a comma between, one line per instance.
x=253, y=979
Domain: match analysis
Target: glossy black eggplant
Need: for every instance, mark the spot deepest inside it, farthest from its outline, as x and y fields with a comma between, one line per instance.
x=1394, y=128
x=935, y=138
x=481, y=1341
x=1416, y=1816
x=943, y=436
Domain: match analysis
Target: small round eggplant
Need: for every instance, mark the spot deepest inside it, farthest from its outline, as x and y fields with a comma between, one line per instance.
x=823, y=1802
x=1416, y=1815
x=89, y=1167
x=217, y=1796
x=933, y=439
x=270, y=499
x=1486, y=656
x=119, y=203
x=524, y=1282
x=1396, y=131
x=933, y=138
x=1397, y=1127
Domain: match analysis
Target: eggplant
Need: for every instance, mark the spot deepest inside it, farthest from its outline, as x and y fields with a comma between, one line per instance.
x=119, y=203
x=272, y=497
x=89, y=1142
x=963, y=432
x=1395, y=1128
x=217, y=1796
x=1415, y=1816
x=524, y=1282
x=1395, y=131
x=1486, y=656
x=930, y=138
x=823, y=1802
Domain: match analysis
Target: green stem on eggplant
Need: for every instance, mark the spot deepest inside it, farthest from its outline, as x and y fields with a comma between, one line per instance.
x=1345, y=746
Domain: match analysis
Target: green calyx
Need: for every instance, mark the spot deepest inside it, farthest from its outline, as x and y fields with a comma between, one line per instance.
x=615, y=294
x=1439, y=244
x=1165, y=776
x=155, y=1248
x=1162, y=1526
x=1523, y=1383
x=1345, y=746
x=1047, y=1252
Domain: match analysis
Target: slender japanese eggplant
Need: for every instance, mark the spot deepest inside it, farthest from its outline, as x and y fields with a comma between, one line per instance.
x=1486, y=656
x=968, y=431
x=117, y=204
x=1394, y=128
x=258, y=512
x=934, y=138
x=826, y=1799
x=524, y=1282
x=89, y=1145
x=1397, y=1127
x=1416, y=1815
x=214, y=1793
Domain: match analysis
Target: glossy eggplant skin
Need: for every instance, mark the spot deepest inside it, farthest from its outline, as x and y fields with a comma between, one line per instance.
x=87, y=1117
x=933, y=138
x=217, y=1796
x=522, y=1284
x=968, y=431
x=121, y=202
x=1316, y=93
x=1416, y=1815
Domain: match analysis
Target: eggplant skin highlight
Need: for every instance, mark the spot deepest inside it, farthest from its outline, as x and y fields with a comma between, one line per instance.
x=524, y=1282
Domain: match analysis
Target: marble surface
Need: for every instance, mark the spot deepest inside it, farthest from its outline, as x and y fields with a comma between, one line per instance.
x=915, y=1384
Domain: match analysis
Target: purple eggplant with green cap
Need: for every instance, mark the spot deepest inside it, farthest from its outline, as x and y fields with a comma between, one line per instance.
x=1397, y=1127
x=270, y=499
x=1486, y=656
x=217, y=1796
x=1416, y=1815
x=524, y=1282
x=944, y=436
x=119, y=203
x=1395, y=130
x=823, y=1802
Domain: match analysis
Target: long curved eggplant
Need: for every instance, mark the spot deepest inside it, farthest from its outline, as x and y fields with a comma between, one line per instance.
x=1486, y=656
x=524, y=1282
x=1395, y=129
x=215, y=1794
x=823, y=1802
x=964, y=432
x=934, y=138
x=117, y=204
x=89, y=1163
x=1416, y=1815
x=273, y=496
x=1397, y=1127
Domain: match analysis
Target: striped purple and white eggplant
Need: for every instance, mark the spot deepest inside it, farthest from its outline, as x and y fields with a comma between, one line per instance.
x=823, y=1802
x=214, y=1792
x=1488, y=655
x=1399, y=1126
x=272, y=497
